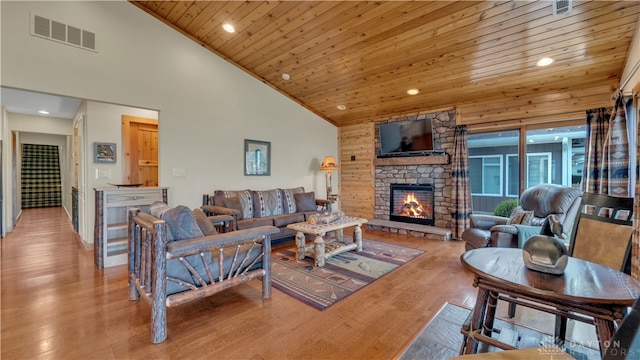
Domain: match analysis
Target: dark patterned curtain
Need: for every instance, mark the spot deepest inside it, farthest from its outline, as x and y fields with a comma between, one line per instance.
x=607, y=160
x=597, y=128
x=614, y=177
x=461, y=206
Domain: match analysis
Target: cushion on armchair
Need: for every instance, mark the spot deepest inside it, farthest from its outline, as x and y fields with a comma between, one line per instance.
x=520, y=216
x=203, y=222
x=182, y=223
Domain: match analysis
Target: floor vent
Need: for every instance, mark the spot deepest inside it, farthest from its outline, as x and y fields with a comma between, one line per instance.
x=561, y=7
x=59, y=32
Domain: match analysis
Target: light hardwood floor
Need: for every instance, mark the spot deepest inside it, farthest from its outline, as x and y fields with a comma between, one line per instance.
x=57, y=305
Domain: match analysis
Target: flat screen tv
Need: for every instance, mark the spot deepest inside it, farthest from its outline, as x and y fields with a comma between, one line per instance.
x=406, y=138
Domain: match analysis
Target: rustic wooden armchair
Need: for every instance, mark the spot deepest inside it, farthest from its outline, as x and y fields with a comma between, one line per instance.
x=172, y=261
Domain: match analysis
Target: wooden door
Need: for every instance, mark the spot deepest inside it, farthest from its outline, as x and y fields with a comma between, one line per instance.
x=140, y=150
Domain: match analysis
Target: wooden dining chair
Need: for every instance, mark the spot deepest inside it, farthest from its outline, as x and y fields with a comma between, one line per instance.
x=601, y=234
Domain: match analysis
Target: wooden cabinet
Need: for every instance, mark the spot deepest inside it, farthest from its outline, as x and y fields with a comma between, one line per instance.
x=110, y=231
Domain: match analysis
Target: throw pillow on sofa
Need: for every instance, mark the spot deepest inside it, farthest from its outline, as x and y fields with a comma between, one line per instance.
x=305, y=201
x=289, y=201
x=267, y=203
x=234, y=203
x=244, y=196
x=520, y=216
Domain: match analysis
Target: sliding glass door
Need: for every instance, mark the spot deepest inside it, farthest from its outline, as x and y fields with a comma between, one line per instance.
x=553, y=155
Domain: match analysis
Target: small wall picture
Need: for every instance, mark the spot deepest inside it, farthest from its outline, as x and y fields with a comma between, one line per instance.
x=104, y=152
x=257, y=157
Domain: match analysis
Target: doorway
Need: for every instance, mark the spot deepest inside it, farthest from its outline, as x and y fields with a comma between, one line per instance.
x=140, y=150
x=40, y=176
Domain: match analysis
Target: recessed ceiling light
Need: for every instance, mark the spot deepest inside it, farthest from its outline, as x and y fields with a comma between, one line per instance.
x=43, y=112
x=545, y=61
x=341, y=107
x=413, y=91
x=286, y=76
x=228, y=28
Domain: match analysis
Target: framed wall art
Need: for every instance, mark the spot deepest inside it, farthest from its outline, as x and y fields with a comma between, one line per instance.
x=104, y=152
x=257, y=158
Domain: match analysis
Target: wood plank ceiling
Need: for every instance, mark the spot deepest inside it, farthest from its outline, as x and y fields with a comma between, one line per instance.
x=478, y=57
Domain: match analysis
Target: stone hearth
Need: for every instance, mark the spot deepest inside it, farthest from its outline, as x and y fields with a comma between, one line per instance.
x=415, y=230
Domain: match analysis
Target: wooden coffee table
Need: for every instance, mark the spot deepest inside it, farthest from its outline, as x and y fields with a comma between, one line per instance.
x=321, y=250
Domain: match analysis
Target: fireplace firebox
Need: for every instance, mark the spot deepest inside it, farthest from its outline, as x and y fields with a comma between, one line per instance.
x=411, y=203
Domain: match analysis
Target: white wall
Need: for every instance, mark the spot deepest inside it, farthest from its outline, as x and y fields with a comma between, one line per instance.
x=40, y=124
x=206, y=106
x=104, y=124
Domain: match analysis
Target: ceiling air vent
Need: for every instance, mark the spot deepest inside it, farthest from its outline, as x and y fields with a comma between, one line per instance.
x=561, y=7
x=63, y=33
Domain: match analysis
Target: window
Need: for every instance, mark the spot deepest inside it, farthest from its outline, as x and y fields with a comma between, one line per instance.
x=488, y=174
x=538, y=169
x=552, y=155
x=555, y=155
x=513, y=171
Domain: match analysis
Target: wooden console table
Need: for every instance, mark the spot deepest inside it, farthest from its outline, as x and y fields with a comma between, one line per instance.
x=321, y=250
x=585, y=292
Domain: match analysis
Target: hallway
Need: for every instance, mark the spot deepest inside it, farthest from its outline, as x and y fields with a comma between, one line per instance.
x=50, y=289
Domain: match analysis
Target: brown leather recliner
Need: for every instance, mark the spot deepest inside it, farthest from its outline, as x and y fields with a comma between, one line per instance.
x=543, y=200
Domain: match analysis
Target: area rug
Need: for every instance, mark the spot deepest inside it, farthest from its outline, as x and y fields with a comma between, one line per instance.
x=342, y=275
x=441, y=337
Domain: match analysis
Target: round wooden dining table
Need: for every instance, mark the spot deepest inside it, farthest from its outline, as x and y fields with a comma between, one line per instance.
x=586, y=291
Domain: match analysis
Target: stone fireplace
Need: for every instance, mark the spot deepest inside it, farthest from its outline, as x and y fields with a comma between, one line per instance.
x=411, y=203
x=433, y=170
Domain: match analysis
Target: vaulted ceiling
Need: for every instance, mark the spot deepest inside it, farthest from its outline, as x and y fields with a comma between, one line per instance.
x=478, y=57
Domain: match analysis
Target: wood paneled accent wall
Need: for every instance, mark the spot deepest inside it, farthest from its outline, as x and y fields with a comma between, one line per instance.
x=357, y=173
x=533, y=106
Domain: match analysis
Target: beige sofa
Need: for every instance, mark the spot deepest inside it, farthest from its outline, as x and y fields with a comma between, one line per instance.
x=274, y=207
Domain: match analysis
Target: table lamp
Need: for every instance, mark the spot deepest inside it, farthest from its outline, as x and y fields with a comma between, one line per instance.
x=328, y=164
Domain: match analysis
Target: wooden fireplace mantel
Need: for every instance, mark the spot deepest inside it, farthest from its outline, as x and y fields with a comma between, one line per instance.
x=439, y=158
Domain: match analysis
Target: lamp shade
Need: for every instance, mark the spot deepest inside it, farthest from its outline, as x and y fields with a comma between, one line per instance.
x=329, y=163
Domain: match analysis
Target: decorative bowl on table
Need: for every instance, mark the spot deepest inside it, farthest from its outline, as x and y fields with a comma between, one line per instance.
x=546, y=254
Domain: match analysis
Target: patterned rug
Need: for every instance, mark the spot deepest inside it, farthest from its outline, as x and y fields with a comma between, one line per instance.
x=342, y=275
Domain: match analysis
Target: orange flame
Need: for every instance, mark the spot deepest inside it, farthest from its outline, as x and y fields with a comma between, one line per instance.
x=412, y=206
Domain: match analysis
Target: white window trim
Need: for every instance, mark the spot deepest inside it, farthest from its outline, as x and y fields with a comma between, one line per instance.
x=501, y=158
x=507, y=176
x=549, y=167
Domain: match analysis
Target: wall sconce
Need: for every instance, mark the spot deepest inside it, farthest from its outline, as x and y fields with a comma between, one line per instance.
x=328, y=164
